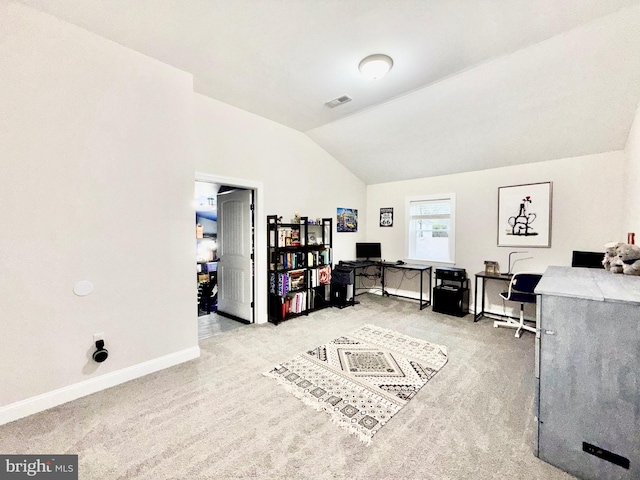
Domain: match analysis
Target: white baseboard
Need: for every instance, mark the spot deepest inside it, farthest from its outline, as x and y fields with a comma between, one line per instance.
x=39, y=403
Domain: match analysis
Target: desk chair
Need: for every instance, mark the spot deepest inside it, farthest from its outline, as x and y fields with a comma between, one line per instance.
x=521, y=289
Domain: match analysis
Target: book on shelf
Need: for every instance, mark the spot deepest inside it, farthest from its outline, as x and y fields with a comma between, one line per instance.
x=294, y=303
x=324, y=275
x=295, y=237
x=299, y=297
x=296, y=279
x=272, y=283
x=281, y=283
x=313, y=277
x=321, y=257
x=312, y=299
x=310, y=260
x=283, y=234
x=289, y=260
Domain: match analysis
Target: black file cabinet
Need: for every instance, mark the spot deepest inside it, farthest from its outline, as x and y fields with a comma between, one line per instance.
x=451, y=293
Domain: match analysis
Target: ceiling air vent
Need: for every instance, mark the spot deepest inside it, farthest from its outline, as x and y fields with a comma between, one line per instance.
x=338, y=101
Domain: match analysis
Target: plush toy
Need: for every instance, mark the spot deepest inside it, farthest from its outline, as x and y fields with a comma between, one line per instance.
x=629, y=255
x=610, y=260
x=616, y=265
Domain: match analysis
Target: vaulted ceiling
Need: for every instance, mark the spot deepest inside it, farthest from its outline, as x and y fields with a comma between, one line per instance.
x=475, y=84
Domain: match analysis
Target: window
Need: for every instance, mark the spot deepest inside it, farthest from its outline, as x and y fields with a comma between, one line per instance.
x=431, y=228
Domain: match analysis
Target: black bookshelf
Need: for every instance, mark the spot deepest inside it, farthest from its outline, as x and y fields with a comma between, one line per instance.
x=299, y=270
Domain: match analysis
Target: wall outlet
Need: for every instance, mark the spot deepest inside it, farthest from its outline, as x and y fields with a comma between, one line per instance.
x=98, y=336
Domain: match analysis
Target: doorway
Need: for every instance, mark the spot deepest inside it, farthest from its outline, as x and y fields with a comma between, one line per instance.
x=225, y=240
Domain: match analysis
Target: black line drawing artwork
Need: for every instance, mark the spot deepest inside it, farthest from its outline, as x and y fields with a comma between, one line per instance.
x=524, y=215
x=521, y=223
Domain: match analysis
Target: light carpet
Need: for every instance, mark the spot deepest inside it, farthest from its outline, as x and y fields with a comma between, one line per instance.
x=361, y=380
x=218, y=418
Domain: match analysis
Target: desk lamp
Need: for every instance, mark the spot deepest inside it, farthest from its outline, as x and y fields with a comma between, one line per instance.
x=511, y=253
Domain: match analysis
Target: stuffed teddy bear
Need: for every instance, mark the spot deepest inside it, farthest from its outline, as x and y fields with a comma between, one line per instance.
x=610, y=260
x=616, y=265
x=629, y=255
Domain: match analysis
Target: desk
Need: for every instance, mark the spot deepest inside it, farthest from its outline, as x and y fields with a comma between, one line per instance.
x=384, y=266
x=358, y=265
x=413, y=267
x=503, y=277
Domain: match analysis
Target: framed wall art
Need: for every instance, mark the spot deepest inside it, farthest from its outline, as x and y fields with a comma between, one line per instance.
x=347, y=220
x=386, y=217
x=524, y=215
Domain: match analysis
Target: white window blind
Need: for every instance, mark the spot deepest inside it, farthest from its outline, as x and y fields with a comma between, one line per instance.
x=431, y=223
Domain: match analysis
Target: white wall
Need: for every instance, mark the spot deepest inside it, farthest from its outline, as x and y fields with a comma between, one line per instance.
x=586, y=210
x=297, y=175
x=96, y=184
x=631, y=179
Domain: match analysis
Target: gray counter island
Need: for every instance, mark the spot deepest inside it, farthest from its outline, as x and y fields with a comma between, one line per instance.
x=588, y=373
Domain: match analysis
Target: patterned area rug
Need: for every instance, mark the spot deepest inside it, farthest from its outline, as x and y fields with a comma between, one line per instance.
x=362, y=379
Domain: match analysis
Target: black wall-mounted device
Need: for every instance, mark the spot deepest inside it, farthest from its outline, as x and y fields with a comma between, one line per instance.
x=101, y=353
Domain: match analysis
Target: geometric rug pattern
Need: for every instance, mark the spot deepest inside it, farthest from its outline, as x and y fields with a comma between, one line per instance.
x=361, y=380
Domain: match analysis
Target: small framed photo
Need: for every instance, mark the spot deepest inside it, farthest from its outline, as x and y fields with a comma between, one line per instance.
x=524, y=215
x=386, y=217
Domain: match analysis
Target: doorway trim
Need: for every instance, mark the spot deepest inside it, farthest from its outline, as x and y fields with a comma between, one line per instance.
x=260, y=235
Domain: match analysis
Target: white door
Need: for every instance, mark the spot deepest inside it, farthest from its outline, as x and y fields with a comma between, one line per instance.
x=235, y=243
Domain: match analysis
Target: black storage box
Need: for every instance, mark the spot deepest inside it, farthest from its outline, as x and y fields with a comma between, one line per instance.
x=451, y=295
x=451, y=300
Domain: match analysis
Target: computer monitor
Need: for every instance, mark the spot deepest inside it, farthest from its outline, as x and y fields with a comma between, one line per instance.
x=368, y=251
x=587, y=259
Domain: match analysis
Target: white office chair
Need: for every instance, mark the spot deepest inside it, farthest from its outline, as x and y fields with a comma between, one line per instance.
x=521, y=289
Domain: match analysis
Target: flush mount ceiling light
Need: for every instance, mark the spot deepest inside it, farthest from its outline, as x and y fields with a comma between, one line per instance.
x=375, y=66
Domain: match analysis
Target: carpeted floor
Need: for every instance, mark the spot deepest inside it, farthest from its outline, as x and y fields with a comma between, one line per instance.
x=217, y=417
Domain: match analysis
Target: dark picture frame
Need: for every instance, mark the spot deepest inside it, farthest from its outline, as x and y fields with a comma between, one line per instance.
x=386, y=217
